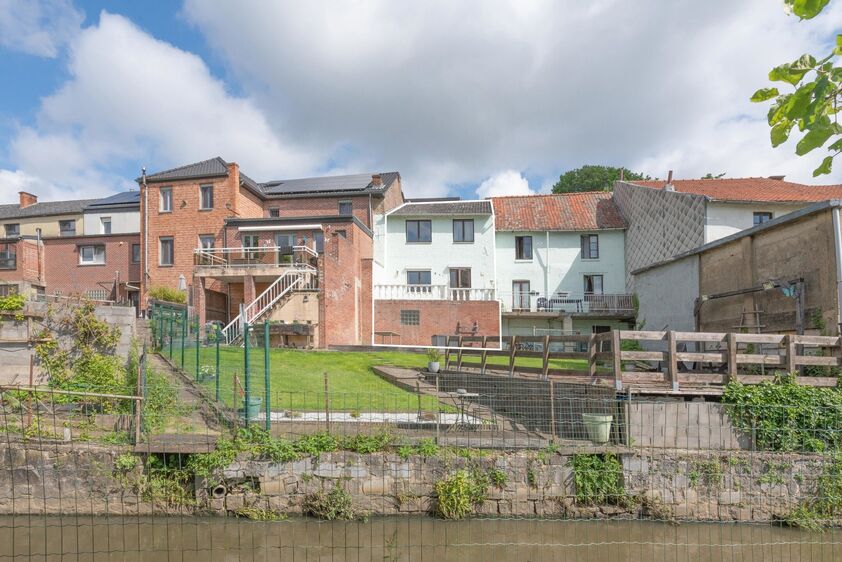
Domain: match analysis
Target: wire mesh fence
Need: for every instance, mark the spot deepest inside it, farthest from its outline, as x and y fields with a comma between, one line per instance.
x=369, y=456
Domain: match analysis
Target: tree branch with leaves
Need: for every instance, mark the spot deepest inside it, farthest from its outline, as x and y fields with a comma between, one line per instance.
x=812, y=109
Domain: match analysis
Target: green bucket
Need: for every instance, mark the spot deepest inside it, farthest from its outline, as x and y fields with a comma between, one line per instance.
x=598, y=427
x=252, y=408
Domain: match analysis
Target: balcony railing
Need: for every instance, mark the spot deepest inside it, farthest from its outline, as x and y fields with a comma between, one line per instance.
x=431, y=293
x=571, y=303
x=265, y=256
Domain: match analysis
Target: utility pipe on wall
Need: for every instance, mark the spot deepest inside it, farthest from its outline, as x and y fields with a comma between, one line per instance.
x=837, y=244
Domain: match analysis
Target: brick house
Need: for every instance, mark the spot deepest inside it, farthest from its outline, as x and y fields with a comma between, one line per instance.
x=298, y=251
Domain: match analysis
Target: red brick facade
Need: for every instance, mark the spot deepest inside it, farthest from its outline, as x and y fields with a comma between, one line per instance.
x=435, y=318
x=66, y=275
x=28, y=264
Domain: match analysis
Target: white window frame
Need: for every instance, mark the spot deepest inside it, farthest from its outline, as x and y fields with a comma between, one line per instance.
x=103, y=221
x=97, y=254
x=203, y=238
x=168, y=198
x=205, y=189
x=161, y=241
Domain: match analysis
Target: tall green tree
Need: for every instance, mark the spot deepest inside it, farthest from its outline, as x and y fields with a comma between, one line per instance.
x=592, y=178
x=811, y=110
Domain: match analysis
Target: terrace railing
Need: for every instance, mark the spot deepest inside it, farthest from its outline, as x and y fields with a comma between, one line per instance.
x=281, y=256
x=431, y=293
x=567, y=302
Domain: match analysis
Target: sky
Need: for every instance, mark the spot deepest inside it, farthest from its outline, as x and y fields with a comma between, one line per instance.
x=471, y=98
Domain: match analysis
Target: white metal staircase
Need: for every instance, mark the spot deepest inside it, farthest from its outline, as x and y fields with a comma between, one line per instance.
x=301, y=277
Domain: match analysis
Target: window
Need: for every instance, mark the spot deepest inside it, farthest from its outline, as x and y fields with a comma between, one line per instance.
x=521, y=295
x=8, y=256
x=319, y=239
x=207, y=241
x=593, y=284
x=761, y=217
x=419, y=231
x=460, y=277
x=523, y=247
x=251, y=243
x=166, y=200
x=346, y=208
x=67, y=228
x=206, y=192
x=105, y=223
x=92, y=255
x=600, y=329
x=167, y=251
x=590, y=246
x=274, y=213
x=135, y=253
x=12, y=230
x=343, y=233
x=463, y=230
x=410, y=317
x=284, y=242
x=6, y=290
x=419, y=277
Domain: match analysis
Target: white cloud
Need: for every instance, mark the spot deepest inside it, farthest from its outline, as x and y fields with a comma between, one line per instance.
x=540, y=86
x=38, y=27
x=508, y=182
x=131, y=97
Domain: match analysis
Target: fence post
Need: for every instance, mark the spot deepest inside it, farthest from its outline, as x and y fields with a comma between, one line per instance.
x=546, y=365
x=732, y=374
x=592, y=356
x=183, y=335
x=512, y=348
x=791, y=352
x=266, y=374
x=672, y=361
x=246, y=374
x=552, y=410
x=618, y=364
x=218, y=336
x=327, y=404
x=484, y=358
x=198, y=345
x=172, y=319
x=137, y=403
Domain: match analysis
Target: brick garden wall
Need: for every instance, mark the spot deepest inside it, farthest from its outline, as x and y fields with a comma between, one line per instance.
x=437, y=318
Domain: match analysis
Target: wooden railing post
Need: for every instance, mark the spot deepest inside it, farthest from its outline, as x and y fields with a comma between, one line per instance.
x=731, y=375
x=459, y=355
x=672, y=361
x=791, y=352
x=618, y=364
x=512, y=351
x=546, y=365
x=484, y=356
x=592, y=356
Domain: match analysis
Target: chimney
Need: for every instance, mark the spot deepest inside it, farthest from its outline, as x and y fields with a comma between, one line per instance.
x=376, y=180
x=779, y=178
x=669, y=186
x=27, y=199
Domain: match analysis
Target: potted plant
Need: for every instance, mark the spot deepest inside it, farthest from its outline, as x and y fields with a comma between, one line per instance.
x=433, y=357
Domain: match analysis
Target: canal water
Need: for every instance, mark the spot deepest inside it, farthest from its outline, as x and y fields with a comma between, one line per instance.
x=148, y=539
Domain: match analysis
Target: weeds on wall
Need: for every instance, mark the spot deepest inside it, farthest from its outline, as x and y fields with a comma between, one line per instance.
x=459, y=494
x=598, y=479
x=782, y=415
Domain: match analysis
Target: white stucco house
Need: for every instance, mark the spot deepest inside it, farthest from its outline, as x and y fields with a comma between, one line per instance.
x=560, y=264
x=117, y=214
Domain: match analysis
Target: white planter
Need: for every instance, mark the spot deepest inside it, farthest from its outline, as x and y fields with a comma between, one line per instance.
x=598, y=427
x=433, y=366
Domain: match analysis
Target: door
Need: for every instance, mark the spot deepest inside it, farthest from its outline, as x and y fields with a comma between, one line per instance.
x=284, y=242
x=520, y=295
x=460, y=283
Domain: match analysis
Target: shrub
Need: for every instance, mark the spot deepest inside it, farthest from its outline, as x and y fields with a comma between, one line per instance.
x=126, y=462
x=316, y=444
x=459, y=493
x=366, y=444
x=598, y=479
x=786, y=416
x=330, y=505
x=168, y=295
x=12, y=303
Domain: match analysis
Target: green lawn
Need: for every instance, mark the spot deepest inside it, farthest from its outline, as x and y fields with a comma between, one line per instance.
x=297, y=382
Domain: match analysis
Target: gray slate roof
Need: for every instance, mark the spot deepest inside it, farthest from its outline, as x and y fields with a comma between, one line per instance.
x=44, y=209
x=328, y=184
x=124, y=199
x=215, y=167
x=445, y=208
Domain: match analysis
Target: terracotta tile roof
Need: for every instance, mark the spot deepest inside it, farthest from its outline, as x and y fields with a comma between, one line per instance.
x=592, y=210
x=752, y=189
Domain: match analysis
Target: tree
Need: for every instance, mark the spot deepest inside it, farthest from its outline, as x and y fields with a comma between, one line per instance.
x=592, y=178
x=813, y=107
x=709, y=176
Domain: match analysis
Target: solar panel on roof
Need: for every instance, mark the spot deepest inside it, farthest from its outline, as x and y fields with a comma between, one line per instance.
x=119, y=199
x=356, y=182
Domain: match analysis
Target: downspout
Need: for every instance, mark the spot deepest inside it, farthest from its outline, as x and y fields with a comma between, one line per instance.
x=370, y=218
x=837, y=244
x=547, y=269
x=145, y=231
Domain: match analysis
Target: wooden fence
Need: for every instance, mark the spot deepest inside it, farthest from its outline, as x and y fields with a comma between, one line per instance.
x=671, y=361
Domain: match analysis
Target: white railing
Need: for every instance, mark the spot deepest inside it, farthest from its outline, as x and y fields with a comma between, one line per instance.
x=431, y=293
x=250, y=257
x=568, y=302
x=300, y=279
